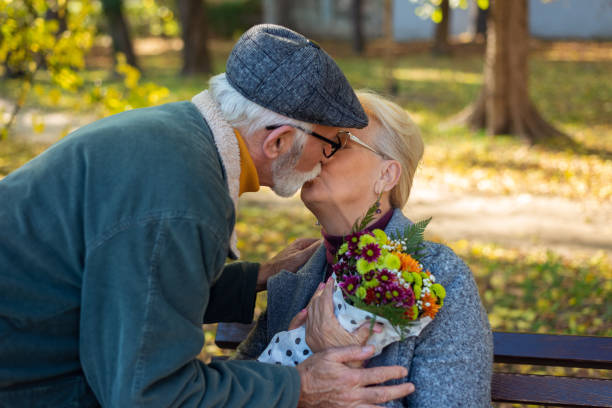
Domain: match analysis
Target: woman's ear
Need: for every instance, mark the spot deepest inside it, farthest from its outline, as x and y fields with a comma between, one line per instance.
x=278, y=142
x=390, y=174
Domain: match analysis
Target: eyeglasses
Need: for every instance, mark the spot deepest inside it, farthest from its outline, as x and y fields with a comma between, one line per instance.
x=328, y=150
x=342, y=138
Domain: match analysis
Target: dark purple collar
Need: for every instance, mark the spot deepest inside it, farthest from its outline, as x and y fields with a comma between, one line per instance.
x=333, y=242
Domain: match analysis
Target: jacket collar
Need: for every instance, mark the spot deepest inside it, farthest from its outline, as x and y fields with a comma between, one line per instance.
x=227, y=146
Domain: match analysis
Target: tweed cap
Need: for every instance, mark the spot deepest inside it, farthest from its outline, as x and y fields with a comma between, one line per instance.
x=287, y=73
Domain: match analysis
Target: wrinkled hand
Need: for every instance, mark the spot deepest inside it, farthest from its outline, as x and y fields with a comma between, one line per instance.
x=291, y=258
x=327, y=381
x=323, y=331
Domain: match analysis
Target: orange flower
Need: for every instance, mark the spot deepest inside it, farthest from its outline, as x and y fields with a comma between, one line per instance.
x=430, y=305
x=409, y=263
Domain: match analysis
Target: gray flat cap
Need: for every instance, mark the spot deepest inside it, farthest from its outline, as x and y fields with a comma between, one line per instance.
x=287, y=73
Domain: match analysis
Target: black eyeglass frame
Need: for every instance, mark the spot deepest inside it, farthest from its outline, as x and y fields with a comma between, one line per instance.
x=335, y=145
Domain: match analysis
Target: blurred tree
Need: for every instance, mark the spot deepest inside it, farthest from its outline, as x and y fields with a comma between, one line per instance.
x=55, y=36
x=441, y=45
x=283, y=12
x=31, y=39
x=119, y=30
x=194, y=25
x=390, y=82
x=504, y=106
x=357, y=14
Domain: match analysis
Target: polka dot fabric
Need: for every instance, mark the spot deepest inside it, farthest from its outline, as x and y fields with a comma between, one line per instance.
x=289, y=348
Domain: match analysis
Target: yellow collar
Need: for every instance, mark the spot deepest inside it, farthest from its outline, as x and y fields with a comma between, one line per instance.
x=249, y=180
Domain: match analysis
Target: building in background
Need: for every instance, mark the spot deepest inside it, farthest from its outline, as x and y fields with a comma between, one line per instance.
x=558, y=19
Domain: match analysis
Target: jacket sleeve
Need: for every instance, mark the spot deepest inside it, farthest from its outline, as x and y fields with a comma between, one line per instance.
x=237, y=281
x=256, y=342
x=144, y=294
x=452, y=361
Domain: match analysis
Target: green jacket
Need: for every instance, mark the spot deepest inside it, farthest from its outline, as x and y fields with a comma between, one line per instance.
x=112, y=252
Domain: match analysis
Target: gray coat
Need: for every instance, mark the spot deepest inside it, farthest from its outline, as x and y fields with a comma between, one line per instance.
x=450, y=362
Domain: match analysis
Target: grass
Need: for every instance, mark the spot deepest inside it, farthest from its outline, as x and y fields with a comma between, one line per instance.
x=521, y=290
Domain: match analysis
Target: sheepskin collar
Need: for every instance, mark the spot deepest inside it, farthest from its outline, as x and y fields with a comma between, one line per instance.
x=227, y=146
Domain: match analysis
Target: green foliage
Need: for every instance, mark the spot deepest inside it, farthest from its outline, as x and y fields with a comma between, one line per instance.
x=413, y=237
x=229, y=19
x=38, y=34
x=153, y=18
x=47, y=43
x=362, y=223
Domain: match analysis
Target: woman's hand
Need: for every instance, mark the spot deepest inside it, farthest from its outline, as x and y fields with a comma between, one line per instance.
x=323, y=331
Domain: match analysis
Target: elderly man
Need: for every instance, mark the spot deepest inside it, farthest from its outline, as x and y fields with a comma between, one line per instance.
x=113, y=243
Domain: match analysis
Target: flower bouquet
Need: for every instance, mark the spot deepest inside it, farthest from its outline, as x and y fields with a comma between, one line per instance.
x=378, y=278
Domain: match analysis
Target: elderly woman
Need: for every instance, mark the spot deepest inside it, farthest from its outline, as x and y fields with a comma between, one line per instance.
x=450, y=362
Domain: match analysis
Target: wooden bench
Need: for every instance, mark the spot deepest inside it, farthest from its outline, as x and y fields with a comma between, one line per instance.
x=524, y=349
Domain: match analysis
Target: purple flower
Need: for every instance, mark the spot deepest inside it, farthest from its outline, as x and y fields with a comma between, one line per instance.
x=350, y=284
x=385, y=277
x=370, y=252
x=353, y=240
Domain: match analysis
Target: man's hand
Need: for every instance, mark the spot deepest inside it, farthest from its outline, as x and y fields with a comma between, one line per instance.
x=291, y=258
x=327, y=381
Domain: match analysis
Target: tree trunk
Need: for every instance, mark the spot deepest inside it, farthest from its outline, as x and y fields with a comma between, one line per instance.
x=504, y=106
x=119, y=30
x=390, y=83
x=283, y=12
x=357, y=14
x=196, y=57
x=441, y=45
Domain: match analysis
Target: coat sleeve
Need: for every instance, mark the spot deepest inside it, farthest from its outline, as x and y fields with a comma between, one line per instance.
x=237, y=281
x=256, y=342
x=145, y=291
x=452, y=361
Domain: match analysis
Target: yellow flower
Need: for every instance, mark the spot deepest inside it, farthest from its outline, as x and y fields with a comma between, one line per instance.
x=438, y=290
x=365, y=240
x=392, y=262
x=360, y=292
x=417, y=278
x=380, y=236
x=407, y=277
x=417, y=291
x=371, y=283
x=343, y=248
x=364, y=266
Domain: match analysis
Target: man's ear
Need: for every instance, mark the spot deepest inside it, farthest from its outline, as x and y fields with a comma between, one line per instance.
x=390, y=173
x=278, y=142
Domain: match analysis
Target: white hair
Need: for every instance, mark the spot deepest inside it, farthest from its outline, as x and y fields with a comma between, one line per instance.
x=243, y=113
x=398, y=137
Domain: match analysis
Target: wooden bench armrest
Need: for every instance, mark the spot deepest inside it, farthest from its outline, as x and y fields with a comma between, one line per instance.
x=551, y=390
x=553, y=350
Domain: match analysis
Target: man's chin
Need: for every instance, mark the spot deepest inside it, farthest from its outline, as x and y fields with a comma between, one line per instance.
x=289, y=185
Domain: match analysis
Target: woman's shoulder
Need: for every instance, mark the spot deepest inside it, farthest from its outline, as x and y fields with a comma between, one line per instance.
x=444, y=263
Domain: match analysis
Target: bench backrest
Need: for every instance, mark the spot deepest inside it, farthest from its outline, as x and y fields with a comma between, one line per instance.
x=557, y=351
x=524, y=349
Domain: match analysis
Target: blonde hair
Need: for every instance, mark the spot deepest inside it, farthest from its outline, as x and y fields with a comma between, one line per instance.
x=398, y=137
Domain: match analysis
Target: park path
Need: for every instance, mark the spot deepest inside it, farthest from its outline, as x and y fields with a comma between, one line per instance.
x=520, y=221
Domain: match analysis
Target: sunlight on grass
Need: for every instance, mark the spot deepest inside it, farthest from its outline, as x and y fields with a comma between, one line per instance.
x=436, y=75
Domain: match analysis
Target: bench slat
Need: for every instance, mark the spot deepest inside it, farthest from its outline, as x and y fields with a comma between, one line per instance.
x=553, y=350
x=229, y=335
x=550, y=390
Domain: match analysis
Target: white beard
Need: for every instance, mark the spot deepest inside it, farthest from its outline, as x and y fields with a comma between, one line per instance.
x=287, y=181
